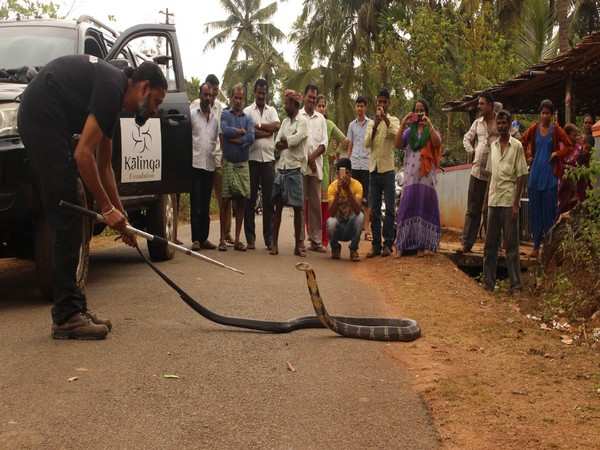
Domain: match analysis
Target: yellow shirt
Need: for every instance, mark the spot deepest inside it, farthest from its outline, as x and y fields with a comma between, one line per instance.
x=344, y=209
x=505, y=169
x=382, y=145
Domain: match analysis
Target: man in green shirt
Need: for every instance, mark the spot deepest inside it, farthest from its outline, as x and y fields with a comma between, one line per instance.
x=507, y=167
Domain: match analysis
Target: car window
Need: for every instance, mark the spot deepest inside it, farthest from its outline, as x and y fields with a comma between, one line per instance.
x=157, y=49
x=34, y=46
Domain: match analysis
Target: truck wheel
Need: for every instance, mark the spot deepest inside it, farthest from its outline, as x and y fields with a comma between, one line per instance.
x=44, y=242
x=162, y=220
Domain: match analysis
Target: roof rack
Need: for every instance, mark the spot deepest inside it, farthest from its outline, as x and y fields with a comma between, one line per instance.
x=90, y=19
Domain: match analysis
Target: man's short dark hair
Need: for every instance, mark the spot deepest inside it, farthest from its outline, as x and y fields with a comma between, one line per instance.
x=384, y=92
x=261, y=82
x=202, y=85
x=488, y=97
x=237, y=87
x=362, y=99
x=212, y=79
x=148, y=71
x=505, y=114
x=344, y=162
x=546, y=104
x=311, y=87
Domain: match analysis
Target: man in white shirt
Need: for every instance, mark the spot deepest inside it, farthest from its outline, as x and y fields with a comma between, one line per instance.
x=481, y=134
x=205, y=135
x=315, y=147
x=262, y=157
x=288, y=185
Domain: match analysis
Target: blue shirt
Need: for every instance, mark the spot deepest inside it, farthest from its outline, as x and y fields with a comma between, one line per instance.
x=230, y=122
x=541, y=175
x=356, y=134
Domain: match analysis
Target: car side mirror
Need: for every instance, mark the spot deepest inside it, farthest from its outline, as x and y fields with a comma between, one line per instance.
x=162, y=60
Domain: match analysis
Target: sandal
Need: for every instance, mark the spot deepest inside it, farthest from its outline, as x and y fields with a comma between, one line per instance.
x=274, y=250
x=222, y=247
x=300, y=251
x=240, y=247
x=368, y=236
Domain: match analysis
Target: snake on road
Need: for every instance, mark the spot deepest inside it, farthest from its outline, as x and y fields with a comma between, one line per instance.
x=372, y=328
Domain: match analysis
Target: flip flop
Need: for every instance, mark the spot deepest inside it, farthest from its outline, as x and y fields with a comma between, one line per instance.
x=239, y=247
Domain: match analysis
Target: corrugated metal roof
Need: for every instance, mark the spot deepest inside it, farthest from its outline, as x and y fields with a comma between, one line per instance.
x=548, y=79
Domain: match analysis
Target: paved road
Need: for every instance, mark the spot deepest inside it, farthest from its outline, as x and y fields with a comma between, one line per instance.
x=235, y=389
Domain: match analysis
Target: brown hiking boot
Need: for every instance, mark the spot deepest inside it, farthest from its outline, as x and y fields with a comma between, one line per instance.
x=81, y=327
x=98, y=321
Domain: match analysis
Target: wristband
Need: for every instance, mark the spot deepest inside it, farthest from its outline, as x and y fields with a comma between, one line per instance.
x=109, y=211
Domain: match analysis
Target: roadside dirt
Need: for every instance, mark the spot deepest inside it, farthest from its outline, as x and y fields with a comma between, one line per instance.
x=491, y=377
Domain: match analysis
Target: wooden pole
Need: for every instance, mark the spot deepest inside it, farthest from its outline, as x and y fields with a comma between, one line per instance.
x=569, y=102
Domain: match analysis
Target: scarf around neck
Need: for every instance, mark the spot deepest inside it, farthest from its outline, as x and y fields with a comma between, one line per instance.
x=415, y=141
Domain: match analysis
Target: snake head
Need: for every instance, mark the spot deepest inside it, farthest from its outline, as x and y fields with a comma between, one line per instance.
x=303, y=267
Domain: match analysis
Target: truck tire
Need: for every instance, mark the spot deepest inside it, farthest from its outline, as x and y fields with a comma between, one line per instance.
x=162, y=220
x=43, y=251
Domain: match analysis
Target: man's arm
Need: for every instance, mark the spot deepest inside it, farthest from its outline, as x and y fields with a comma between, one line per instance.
x=249, y=137
x=369, y=135
x=227, y=130
x=518, y=193
x=107, y=174
x=355, y=199
x=90, y=139
x=393, y=125
x=350, y=137
x=300, y=134
x=469, y=138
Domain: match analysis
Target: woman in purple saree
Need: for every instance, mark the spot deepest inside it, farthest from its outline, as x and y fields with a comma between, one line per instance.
x=418, y=217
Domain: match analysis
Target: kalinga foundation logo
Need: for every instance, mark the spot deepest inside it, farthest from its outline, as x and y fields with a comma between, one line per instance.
x=141, y=147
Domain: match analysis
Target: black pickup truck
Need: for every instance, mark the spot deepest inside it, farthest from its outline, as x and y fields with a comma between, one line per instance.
x=152, y=163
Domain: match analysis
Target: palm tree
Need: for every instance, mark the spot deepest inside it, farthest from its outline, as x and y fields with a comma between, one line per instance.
x=536, y=36
x=262, y=62
x=562, y=17
x=251, y=25
x=585, y=18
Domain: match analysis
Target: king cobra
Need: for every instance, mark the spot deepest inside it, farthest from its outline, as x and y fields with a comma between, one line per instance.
x=377, y=329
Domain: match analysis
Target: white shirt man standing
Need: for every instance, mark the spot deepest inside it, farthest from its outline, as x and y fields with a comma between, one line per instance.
x=477, y=142
x=262, y=157
x=205, y=134
x=315, y=148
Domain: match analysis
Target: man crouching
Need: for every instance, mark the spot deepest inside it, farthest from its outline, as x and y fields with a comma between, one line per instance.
x=346, y=218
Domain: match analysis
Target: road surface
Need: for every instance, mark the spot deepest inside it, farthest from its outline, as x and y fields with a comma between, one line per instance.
x=235, y=388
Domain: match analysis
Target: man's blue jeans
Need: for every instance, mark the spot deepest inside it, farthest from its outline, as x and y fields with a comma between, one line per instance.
x=346, y=230
x=383, y=184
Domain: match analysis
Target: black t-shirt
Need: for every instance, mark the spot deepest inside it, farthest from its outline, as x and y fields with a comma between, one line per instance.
x=87, y=85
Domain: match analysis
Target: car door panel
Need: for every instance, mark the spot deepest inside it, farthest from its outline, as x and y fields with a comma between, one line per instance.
x=135, y=148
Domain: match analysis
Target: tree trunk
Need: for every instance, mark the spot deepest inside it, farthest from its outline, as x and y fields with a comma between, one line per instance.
x=562, y=13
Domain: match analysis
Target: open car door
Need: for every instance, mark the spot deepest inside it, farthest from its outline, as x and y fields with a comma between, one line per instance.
x=155, y=158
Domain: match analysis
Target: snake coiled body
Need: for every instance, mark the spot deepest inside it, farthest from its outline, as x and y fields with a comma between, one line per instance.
x=378, y=329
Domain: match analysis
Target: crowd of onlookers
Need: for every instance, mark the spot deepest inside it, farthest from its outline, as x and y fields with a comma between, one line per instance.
x=337, y=183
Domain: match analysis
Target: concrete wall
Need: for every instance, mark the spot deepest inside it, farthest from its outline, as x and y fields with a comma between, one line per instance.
x=452, y=189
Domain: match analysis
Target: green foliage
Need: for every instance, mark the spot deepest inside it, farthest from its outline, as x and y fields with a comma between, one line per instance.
x=573, y=287
x=254, y=38
x=28, y=9
x=192, y=88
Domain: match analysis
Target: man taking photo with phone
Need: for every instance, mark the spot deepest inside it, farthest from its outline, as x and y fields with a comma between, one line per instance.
x=345, y=206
